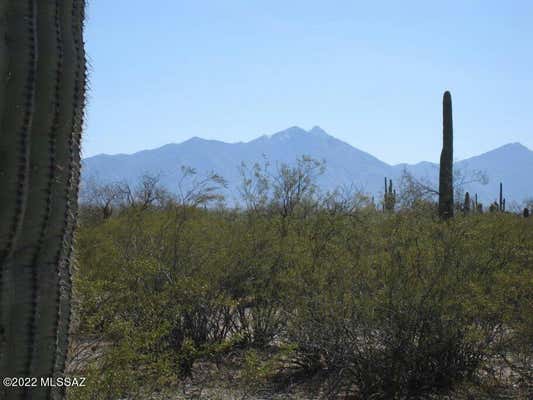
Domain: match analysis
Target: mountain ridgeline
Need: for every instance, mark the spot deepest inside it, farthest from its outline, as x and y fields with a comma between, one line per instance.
x=346, y=165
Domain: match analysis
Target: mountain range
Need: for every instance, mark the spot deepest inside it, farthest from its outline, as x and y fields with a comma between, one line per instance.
x=511, y=164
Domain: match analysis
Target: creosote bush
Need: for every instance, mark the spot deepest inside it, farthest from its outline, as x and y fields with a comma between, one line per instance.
x=374, y=305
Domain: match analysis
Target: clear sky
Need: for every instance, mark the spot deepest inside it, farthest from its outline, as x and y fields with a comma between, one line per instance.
x=371, y=73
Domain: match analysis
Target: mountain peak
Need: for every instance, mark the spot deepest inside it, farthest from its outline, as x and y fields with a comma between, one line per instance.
x=194, y=139
x=297, y=132
x=513, y=146
x=509, y=149
x=289, y=133
x=318, y=131
x=293, y=130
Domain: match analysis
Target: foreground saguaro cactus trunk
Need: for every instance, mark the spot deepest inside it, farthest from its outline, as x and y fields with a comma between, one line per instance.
x=42, y=96
x=446, y=160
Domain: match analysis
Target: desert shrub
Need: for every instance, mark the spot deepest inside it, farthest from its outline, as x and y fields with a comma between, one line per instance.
x=161, y=289
x=410, y=311
x=382, y=305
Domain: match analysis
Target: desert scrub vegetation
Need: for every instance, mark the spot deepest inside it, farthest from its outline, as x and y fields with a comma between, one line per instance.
x=302, y=286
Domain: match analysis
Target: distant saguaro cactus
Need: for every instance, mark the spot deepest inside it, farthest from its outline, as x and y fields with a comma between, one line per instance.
x=467, y=203
x=526, y=212
x=446, y=160
x=42, y=98
x=389, y=198
x=501, y=203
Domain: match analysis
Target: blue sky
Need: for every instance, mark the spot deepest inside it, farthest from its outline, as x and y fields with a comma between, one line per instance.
x=371, y=73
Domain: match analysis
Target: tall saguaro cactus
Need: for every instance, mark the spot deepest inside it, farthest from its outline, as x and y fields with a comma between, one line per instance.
x=42, y=98
x=446, y=160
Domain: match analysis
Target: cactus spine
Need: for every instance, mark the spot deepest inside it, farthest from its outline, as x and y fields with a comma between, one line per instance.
x=42, y=97
x=446, y=160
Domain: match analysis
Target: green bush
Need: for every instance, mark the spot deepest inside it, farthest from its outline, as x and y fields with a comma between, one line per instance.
x=384, y=306
x=405, y=315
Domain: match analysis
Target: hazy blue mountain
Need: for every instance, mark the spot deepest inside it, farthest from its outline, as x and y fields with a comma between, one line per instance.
x=512, y=164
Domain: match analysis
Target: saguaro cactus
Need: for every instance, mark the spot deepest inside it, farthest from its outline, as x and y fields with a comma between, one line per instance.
x=446, y=160
x=389, y=197
x=501, y=203
x=467, y=203
x=42, y=97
